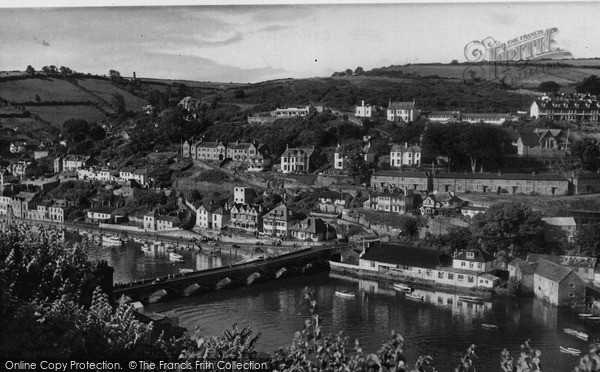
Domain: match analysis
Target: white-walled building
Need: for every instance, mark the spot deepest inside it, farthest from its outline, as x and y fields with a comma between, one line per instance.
x=404, y=154
x=363, y=111
x=405, y=111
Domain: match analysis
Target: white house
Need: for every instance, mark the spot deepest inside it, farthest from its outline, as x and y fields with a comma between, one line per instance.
x=403, y=154
x=401, y=111
x=475, y=260
x=362, y=111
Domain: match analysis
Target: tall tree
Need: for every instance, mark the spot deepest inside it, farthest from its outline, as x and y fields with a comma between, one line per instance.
x=548, y=87
x=483, y=141
x=590, y=85
x=587, y=239
x=30, y=70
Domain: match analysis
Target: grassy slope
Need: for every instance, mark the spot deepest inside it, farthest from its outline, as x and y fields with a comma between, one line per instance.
x=104, y=89
x=48, y=89
x=57, y=115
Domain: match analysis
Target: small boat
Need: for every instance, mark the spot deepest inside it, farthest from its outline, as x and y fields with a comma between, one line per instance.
x=587, y=315
x=593, y=318
x=185, y=271
x=472, y=299
x=570, y=350
x=111, y=240
x=489, y=326
x=580, y=335
x=414, y=297
x=175, y=257
x=402, y=287
x=345, y=294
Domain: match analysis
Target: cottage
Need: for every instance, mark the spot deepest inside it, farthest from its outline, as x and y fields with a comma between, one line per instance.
x=512, y=183
x=559, y=228
x=386, y=201
x=220, y=218
x=313, y=229
x=584, y=267
x=476, y=260
x=489, y=118
x=333, y=202
x=403, y=154
x=204, y=217
x=541, y=142
x=247, y=217
x=363, y=111
x=557, y=285
x=298, y=160
x=559, y=107
x=404, y=111
x=431, y=206
x=404, y=181
x=201, y=150
x=103, y=213
x=243, y=195
x=523, y=272
x=278, y=221
x=444, y=116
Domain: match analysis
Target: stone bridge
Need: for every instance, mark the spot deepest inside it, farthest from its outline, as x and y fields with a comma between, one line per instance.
x=161, y=289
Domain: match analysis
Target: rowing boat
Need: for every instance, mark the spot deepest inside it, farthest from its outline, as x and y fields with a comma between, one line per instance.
x=402, y=287
x=489, y=326
x=345, y=294
x=414, y=297
x=473, y=299
x=570, y=350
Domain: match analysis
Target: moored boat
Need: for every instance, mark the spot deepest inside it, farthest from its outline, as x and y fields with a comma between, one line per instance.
x=586, y=315
x=345, y=294
x=570, y=350
x=111, y=240
x=472, y=299
x=185, y=271
x=402, y=287
x=175, y=257
x=414, y=297
x=489, y=326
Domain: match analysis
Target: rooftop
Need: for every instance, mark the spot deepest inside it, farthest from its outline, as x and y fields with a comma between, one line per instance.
x=406, y=255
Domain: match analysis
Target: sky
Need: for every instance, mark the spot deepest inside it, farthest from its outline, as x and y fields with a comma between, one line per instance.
x=252, y=43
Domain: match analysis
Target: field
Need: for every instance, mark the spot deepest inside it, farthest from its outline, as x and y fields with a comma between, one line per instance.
x=104, y=89
x=55, y=90
x=57, y=115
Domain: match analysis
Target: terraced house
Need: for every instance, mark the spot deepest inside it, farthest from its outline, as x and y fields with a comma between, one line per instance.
x=278, y=221
x=573, y=107
x=247, y=217
x=404, y=181
x=511, y=183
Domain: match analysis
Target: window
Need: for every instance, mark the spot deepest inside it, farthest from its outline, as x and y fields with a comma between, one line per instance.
x=460, y=277
x=463, y=263
x=440, y=275
x=479, y=265
x=571, y=295
x=470, y=279
x=470, y=265
x=450, y=276
x=372, y=263
x=572, y=285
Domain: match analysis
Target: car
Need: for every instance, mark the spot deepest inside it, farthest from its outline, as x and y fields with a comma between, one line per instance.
x=235, y=246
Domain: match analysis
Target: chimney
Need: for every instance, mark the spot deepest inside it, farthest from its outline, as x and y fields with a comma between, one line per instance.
x=362, y=103
x=134, y=75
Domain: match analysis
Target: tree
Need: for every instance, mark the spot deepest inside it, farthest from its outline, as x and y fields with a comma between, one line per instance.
x=115, y=77
x=118, y=104
x=76, y=130
x=30, y=70
x=359, y=71
x=65, y=71
x=590, y=85
x=239, y=94
x=454, y=62
x=588, y=153
x=348, y=72
x=97, y=133
x=483, y=141
x=37, y=98
x=354, y=161
x=46, y=70
x=510, y=227
x=549, y=87
x=587, y=239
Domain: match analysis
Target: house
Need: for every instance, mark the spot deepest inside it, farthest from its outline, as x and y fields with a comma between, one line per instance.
x=407, y=263
x=247, y=217
x=363, y=111
x=7, y=177
x=386, y=201
x=584, y=267
x=541, y=142
x=17, y=147
x=523, y=271
x=557, y=284
x=220, y=218
x=559, y=228
x=585, y=183
x=298, y=160
x=338, y=158
x=140, y=175
x=278, y=221
x=73, y=162
x=22, y=168
x=38, y=154
x=290, y=112
x=58, y=211
x=164, y=223
x=260, y=160
x=333, y=202
x=476, y=260
x=512, y=183
x=489, y=118
x=403, y=154
x=562, y=107
x=204, y=217
x=102, y=213
x=444, y=116
x=202, y=150
x=21, y=203
x=391, y=179
x=150, y=220
x=241, y=151
x=431, y=206
x=471, y=211
x=404, y=111
x=313, y=229
x=243, y=195
x=369, y=153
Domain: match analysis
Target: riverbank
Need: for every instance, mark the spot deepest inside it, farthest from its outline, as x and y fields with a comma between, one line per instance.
x=358, y=272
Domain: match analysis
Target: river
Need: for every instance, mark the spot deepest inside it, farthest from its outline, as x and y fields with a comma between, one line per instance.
x=440, y=326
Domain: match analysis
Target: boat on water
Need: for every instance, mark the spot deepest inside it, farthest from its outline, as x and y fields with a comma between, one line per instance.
x=111, y=240
x=345, y=294
x=586, y=315
x=581, y=335
x=175, y=257
x=570, y=350
x=402, y=287
x=489, y=326
x=414, y=297
x=472, y=299
x=185, y=271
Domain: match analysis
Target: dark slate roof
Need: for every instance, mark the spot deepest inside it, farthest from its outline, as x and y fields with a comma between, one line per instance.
x=551, y=270
x=401, y=105
x=587, y=176
x=526, y=268
x=528, y=137
x=505, y=176
x=406, y=255
x=480, y=256
x=310, y=225
x=399, y=173
x=572, y=261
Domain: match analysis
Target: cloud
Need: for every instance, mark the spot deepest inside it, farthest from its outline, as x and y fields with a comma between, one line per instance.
x=232, y=40
x=273, y=28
